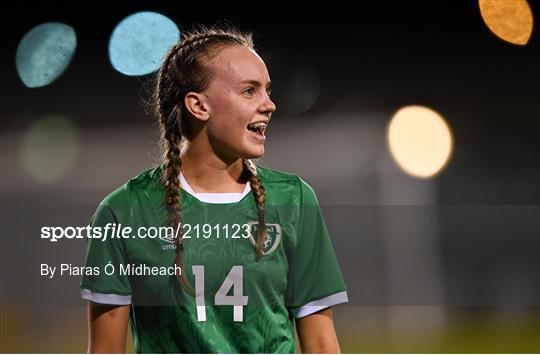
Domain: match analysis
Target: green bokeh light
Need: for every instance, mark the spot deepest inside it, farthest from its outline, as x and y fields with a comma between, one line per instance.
x=50, y=148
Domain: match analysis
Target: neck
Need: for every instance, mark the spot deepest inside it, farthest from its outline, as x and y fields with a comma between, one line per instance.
x=206, y=173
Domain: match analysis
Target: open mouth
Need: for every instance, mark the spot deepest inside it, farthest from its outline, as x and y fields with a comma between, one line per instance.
x=257, y=129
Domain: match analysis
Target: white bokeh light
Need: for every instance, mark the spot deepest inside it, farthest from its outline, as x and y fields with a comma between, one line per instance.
x=419, y=141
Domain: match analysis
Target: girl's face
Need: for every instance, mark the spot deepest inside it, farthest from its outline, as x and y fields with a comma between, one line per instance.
x=239, y=95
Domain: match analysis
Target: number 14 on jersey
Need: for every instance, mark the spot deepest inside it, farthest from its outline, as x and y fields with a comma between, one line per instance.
x=235, y=280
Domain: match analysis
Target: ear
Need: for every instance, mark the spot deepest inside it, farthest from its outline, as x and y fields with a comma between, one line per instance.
x=197, y=105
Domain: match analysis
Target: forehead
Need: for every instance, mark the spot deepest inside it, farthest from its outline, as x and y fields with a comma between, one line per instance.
x=235, y=64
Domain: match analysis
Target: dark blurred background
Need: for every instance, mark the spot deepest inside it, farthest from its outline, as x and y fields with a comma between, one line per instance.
x=449, y=263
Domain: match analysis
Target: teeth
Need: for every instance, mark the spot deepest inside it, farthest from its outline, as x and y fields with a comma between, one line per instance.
x=257, y=125
x=260, y=127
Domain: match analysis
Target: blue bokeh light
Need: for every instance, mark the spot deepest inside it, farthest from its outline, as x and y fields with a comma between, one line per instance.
x=140, y=41
x=44, y=53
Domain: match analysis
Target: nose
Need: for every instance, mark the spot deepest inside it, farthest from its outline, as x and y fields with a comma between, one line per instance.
x=268, y=106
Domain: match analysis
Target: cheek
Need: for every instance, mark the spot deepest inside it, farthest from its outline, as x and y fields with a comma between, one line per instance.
x=229, y=118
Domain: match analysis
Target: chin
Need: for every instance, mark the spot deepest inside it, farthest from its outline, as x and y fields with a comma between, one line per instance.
x=254, y=153
x=256, y=156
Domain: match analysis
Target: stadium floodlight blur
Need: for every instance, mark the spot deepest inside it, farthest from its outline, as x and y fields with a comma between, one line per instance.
x=44, y=53
x=511, y=21
x=419, y=141
x=140, y=41
x=50, y=149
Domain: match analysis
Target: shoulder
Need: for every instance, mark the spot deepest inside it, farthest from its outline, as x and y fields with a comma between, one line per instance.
x=271, y=176
x=281, y=180
x=146, y=183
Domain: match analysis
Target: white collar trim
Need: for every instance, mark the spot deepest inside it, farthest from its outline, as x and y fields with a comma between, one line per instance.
x=215, y=197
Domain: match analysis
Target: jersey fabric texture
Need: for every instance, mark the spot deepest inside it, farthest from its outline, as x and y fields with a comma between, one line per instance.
x=240, y=304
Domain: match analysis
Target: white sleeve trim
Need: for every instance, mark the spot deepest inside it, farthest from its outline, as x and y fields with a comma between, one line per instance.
x=105, y=298
x=315, y=306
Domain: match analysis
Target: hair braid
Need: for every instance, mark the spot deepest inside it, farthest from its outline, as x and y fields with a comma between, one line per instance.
x=171, y=135
x=260, y=199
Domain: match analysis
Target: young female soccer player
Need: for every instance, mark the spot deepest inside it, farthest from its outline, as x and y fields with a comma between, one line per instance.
x=255, y=256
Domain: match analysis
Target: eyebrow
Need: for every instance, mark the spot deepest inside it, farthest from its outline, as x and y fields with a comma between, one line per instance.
x=254, y=82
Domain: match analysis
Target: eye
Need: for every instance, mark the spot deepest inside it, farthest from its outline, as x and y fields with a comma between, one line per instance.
x=269, y=92
x=249, y=91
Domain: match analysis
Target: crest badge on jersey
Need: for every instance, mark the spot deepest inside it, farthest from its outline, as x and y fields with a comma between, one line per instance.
x=272, y=239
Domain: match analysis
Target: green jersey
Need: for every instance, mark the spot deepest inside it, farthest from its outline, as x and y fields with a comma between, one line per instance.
x=241, y=304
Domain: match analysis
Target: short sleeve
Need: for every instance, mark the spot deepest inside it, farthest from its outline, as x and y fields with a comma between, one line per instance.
x=314, y=281
x=98, y=286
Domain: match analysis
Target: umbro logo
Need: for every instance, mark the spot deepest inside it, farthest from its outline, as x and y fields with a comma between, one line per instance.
x=167, y=239
x=170, y=243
